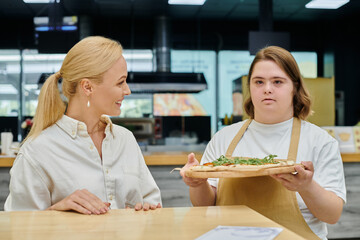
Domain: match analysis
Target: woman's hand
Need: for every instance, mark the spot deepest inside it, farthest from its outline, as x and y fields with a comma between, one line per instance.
x=201, y=193
x=191, y=182
x=297, y=182
x=145, y=207
x=312, y=193
x=82, y=201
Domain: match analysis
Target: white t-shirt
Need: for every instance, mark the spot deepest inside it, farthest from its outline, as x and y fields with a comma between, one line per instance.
x=63, y=159
x=315, y=145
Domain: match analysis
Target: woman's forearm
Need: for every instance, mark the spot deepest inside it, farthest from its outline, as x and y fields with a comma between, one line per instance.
x=323, y=204
x=203, y=195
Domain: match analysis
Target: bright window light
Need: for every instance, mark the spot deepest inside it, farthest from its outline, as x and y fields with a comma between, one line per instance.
x=326, y=4
x=9, y=58
x=37, y=1
x=186, y=2
x=44, y=57
x=141, y=55
x=33, y=57
x=30, y=87
x=8, y=89
x=128, y=55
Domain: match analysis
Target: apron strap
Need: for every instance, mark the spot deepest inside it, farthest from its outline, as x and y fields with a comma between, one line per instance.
x=294, y=142
x=295, y=137
x=237, y=138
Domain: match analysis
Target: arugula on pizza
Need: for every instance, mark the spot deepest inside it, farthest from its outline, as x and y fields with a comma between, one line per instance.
x=240, y=163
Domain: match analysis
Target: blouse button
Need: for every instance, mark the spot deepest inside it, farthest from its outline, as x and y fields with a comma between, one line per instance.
x=91, y=147
x=111, y=197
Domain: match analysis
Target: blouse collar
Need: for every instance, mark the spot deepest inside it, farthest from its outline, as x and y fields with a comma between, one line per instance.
x=73, y=127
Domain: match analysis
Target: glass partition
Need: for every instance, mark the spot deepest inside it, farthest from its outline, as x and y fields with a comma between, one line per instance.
x=231, y=65
x=204, y=101
x=13, y=75
x=138, y=105
x=35, y=64
x=234, y=64
x=9, y=82
x=307, y=62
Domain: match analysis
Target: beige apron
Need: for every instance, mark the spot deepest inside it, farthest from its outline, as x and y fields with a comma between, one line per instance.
x=264, y=194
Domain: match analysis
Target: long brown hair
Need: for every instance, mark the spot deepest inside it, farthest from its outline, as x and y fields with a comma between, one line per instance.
x=284, y=59
x=90, y=58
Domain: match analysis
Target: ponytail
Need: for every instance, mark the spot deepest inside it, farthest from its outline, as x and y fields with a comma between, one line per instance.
x=50, y=106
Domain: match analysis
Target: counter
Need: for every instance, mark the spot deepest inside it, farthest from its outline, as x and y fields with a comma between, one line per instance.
x=151, y=159
x=165, y=223
x=173, y=158
x=6, y=161
x=350, y=157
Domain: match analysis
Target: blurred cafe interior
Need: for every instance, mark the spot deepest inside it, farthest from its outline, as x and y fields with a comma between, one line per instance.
x=187, y=68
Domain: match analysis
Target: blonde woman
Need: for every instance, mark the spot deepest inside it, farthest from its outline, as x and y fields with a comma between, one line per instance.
x=278, y=106
x=74, y=158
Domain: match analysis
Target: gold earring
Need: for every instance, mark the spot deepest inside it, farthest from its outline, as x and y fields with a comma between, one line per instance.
x=88, y=103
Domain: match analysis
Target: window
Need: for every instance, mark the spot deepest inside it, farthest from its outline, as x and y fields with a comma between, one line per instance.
x=307, y=62
x=138, y=105
x=9, y=82
x=234, y=64
x=197, y=61
x=34, y=64
x=138, y=60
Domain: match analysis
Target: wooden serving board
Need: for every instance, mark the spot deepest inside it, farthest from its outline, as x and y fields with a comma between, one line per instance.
x=241, y=173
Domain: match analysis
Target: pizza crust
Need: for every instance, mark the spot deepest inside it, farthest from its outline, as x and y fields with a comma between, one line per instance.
x=243, y=173
x=241, y=167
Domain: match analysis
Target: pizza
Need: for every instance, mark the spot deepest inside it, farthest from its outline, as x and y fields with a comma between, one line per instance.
x=240, y=163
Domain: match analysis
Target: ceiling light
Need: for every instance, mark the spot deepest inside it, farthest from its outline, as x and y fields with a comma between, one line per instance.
x=186, y=2
x=326, y=4
x=37, y=1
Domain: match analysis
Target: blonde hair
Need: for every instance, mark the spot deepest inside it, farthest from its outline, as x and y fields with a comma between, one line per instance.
x=284, y=59
x=90, y=58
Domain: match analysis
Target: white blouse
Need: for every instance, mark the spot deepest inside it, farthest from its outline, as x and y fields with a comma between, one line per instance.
x=63, y=159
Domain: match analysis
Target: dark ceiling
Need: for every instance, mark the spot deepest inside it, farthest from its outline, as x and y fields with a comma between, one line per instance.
x=218, y=24
x=283, y=10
